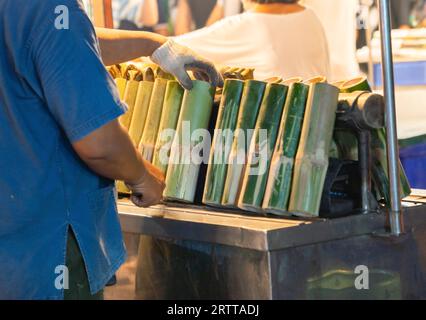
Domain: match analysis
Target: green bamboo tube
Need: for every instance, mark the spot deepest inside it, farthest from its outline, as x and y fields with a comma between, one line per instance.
x=312, y=156
x=182, y=173
x=222, y=142
x=130, y=94
x=152, y=123
x=356, y=84
x=251, y=101
x=270, y=114
x=280, y=175
x=140, y=112
x=171, y=111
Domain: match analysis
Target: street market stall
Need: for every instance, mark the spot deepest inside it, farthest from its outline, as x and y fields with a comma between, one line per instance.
x=308, y=239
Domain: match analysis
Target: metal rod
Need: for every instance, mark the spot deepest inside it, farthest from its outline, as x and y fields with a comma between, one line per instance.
x=395, y=216
x=368, y=37
x=365, y=165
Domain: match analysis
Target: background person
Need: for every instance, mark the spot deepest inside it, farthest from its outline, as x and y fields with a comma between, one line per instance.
x=278, y=38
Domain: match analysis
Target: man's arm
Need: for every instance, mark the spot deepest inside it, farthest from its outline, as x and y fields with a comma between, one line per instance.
x=118, y=46
x=109, y=152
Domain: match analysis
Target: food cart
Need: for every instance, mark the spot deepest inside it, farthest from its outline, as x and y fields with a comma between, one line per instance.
x=179, y=251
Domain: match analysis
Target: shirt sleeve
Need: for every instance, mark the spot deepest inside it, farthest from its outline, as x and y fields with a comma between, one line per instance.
x=78, y=90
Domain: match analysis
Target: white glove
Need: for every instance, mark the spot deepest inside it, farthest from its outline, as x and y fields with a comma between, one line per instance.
x=176, y=60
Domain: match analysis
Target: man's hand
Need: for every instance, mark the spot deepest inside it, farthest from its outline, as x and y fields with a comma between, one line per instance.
x=148, y=190
x=177, y=60
x=110, y=152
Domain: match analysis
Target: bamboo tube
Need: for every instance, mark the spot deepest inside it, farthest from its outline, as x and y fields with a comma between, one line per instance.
x=149, y=136
x=170, y=115
x=222, y=142
x=140, y=112
x=312, y=156
x=261, y=148
x=182, y=173
x=356, y=84
x=134, y=77
x=251, y=101
x=280, y=175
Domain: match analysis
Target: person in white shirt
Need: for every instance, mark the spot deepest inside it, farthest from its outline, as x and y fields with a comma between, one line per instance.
x=339, y=20
x=278, y=38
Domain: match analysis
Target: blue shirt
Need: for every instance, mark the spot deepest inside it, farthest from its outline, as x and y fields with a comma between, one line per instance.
x=54, y=90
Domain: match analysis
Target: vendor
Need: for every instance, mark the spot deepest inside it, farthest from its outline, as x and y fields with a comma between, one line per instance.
x=62, y=146
x=277, y=38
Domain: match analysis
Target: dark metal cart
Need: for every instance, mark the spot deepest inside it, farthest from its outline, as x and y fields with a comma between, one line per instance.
x=190, y=253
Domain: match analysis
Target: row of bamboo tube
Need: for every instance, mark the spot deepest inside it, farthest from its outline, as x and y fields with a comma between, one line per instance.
x=271, y=145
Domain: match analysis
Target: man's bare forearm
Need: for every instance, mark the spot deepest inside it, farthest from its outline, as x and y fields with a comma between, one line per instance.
x=118, y=46
x=110, y=153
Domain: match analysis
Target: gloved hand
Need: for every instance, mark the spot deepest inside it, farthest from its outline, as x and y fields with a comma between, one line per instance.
x=148, y=190
x=177, y=60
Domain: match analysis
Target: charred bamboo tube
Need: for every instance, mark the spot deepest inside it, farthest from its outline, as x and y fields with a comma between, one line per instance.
x=183, y=169
x=280, y=175
x=170, y=116
x=312, y=156
x=222, y=142
x=140, y=112
x=134, y=77
x=149, y=136
x=261, y=148
x=251, y=101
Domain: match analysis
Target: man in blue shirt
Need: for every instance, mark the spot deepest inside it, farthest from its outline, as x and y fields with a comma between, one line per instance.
x=61, y=145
